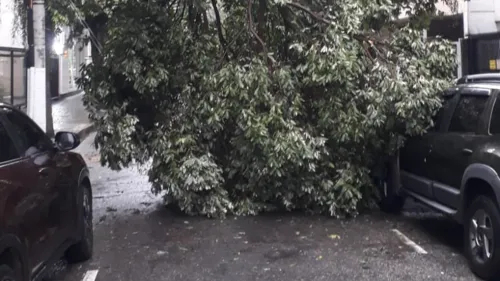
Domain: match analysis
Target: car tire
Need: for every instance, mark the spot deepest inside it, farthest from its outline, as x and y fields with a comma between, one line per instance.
x=7, y=273
x=82, y=250
x=482, y=238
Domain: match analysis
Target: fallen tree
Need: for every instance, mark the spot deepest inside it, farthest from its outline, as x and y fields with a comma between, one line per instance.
x=245, y=106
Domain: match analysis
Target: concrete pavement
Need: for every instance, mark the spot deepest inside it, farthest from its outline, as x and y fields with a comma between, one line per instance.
x=69, y=114
x=136, y=238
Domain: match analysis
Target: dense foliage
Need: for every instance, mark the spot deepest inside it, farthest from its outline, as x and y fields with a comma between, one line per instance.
x=246, y=106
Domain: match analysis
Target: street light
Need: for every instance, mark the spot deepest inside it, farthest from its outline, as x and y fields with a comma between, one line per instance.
x=58, y=45
x=58, y=49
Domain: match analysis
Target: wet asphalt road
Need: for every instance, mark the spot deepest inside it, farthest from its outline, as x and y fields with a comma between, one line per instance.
x=138, y=239
x=69, y=114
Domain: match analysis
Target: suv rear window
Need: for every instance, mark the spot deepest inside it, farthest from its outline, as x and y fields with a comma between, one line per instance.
x=467, y=113
x=495, y=119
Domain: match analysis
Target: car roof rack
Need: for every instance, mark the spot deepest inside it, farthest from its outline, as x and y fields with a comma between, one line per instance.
x=478, y=78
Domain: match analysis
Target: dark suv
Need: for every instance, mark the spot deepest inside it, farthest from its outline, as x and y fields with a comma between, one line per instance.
x=455, y=167
x=45, y=199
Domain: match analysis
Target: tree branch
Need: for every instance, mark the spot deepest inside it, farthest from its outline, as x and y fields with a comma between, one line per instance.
x=205, y=21
x=218, y=23
x=254, y=33
x=284, y=14
x=231, y=43
x=252, y=29
x=360, y=37
x=261, y=19
x=177, y=9
x=308, y=11
x=171, y=4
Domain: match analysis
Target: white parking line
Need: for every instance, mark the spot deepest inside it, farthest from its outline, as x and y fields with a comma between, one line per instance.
x=409, y=242
x=90, y=275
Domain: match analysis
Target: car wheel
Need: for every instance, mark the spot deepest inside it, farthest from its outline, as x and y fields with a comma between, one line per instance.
x=82, y=250
x=7, y=273
x=482, y=238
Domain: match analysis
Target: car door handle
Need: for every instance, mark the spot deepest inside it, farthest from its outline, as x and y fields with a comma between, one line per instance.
x=467, y=151
x=44, y=172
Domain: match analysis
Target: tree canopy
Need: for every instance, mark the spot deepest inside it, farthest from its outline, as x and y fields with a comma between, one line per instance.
x=243, y=106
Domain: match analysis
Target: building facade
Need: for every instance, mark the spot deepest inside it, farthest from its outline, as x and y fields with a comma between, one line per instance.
x=483, y=17
x=70, y=59
x=65, y=61
x=481, y=44
x=13, y=52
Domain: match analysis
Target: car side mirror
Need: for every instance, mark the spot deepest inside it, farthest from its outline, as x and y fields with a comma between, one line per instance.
x=66, y=141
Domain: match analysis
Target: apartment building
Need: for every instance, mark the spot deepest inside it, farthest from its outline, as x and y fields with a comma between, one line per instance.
x=480, y=48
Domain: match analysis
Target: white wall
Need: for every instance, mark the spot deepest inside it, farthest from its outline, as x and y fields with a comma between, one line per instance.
x=10, y=38
x=484, y=16
x=442, y=7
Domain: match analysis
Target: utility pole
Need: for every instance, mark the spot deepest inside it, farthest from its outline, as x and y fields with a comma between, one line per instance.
x=37, y=92
x=49, y=73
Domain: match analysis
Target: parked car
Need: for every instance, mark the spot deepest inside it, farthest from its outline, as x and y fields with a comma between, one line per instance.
x=45, y=199
x=455, y=167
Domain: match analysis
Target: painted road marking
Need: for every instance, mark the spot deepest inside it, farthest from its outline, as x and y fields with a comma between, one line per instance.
x=409, y=242
x=90, y=275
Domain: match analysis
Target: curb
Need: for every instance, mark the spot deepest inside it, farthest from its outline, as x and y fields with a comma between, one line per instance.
x=85, y=132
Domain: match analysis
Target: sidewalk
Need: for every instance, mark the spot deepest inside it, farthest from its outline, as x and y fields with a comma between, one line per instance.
x=69, y=114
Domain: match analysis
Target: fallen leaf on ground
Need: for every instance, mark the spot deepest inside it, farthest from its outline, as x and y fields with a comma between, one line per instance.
x=334, y=236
